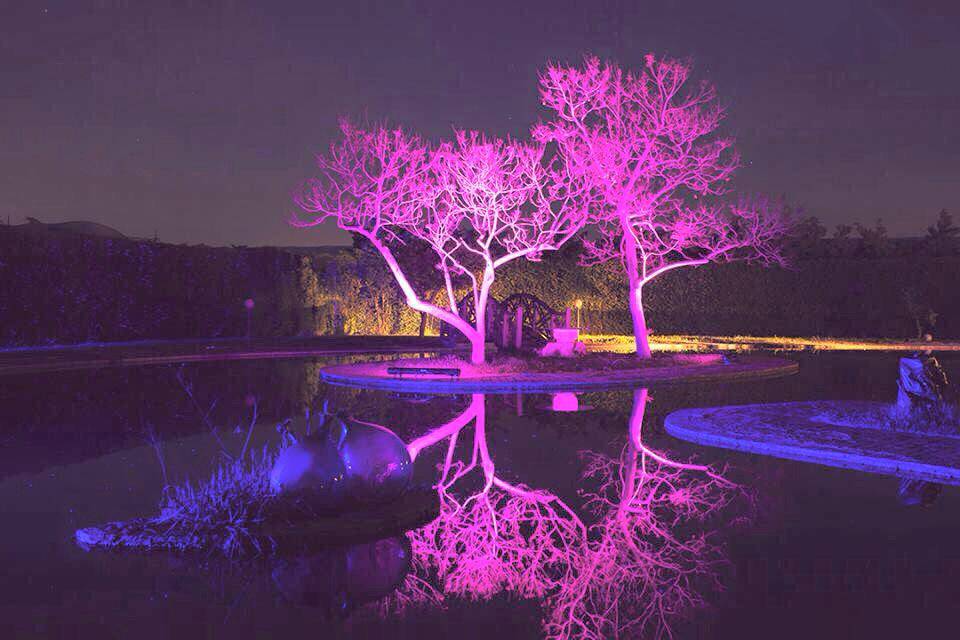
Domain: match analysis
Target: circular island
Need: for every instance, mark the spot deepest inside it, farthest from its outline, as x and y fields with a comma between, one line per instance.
x=450, y=374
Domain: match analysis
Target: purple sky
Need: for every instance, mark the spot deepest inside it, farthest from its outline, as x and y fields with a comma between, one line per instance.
x=196, y=122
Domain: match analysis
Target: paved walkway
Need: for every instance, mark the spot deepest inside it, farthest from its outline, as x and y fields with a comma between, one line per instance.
x=94, y=356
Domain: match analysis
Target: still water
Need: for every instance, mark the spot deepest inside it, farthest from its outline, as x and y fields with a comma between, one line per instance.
x=549, y=531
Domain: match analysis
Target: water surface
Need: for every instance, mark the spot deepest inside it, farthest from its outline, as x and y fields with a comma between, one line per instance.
x=824, y=553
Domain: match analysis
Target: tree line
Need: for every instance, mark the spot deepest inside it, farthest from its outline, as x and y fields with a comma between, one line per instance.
x=811, y=239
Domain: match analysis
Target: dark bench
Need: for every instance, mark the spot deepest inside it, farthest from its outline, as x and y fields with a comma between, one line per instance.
x=423, y=371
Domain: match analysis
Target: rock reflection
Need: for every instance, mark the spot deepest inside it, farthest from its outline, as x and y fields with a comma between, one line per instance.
x=339, y=580
x=913, y=492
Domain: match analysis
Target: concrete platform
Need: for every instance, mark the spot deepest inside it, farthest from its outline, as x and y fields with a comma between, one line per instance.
x=846, y=434
x=373, y=375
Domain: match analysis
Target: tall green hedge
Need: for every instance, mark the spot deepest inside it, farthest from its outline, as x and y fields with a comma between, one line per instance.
x=67, y=288
x=848, y=297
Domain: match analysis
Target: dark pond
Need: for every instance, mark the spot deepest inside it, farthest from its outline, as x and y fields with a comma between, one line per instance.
x=798, y=550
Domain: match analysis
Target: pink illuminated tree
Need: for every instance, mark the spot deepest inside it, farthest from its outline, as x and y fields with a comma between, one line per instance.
x=477, y=203
x=648, y=142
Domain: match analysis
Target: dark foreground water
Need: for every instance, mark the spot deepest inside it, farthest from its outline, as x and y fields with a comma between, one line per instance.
x=797, y=550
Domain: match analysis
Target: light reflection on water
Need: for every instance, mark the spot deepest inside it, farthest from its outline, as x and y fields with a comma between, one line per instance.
x=74, y=453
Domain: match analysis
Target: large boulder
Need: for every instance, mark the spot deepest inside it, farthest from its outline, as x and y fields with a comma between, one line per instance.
x=311, y=468
x=344, y=460
x=925, y=399
x=377, y=462
x=922, y=383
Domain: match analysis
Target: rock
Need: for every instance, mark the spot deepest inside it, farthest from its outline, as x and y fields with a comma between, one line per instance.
x=312, y=468
x=918, y=492
x=925, y=399
x=377, y=463
x=921, y=384
x=344, y=460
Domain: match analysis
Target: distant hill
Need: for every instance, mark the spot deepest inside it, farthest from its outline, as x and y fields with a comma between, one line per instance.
x=325, y=251
x=84, y=227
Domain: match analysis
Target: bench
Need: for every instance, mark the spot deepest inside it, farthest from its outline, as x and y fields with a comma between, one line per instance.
x=423, y=371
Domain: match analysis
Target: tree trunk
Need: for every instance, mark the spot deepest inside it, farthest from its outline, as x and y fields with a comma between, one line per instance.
x=479, y=340
x=640, y=337
x=478, y=353
x=634, y=440
x=634, y=291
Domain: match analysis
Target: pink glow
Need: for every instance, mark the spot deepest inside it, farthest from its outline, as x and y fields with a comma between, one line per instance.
x=646, y=141
x=477, y=202
x=619, y=569
x=565, y=401
x=698, y=358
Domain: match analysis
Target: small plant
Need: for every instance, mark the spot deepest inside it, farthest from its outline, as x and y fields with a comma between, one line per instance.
x=922, y=314
x=940, y=419
x=224, y=508
x=222, y=512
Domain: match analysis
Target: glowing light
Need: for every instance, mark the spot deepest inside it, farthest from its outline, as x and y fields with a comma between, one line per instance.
x=565, y=401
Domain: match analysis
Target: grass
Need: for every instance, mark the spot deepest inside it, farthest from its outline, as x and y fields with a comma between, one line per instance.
x=499, y=364
x=225, y=509
x=934, y=419
x=677, y=343
x=222, y=512
x=236, y=512
x=938, y=419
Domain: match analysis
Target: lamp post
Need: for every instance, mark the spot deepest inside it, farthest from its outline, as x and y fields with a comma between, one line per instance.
x=248, y=305
x=579, y=305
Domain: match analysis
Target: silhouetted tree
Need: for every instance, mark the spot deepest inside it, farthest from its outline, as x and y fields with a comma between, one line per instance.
x=943, y=237
x=807, y=237
x=874, y=242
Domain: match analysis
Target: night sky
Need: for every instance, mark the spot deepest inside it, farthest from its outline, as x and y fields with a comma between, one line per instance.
x=195, y=122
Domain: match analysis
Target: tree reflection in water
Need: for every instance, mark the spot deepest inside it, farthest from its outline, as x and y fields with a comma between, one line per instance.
x=626, y=566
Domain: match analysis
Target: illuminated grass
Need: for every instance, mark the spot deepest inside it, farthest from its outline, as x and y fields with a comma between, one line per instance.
x=221, y=513
x=624, y=344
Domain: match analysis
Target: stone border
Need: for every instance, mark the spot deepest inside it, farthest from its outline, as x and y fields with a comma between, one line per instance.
x=811, y=432
x=748, y=367
x=418, y=507
x=624, y=343
x=72, y=358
